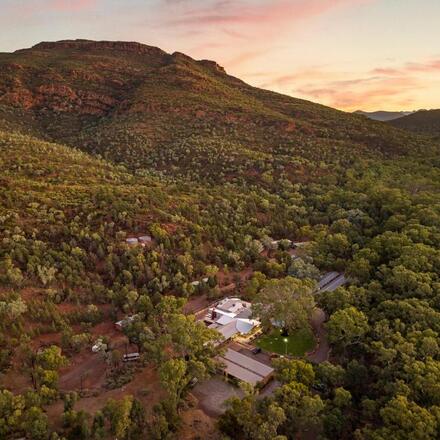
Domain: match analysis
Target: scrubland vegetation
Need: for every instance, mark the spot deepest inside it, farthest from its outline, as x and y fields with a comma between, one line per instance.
x=210, y=188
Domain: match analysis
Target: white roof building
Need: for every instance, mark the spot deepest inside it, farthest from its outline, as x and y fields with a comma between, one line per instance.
x=124, y=322
x=230, y=317
x=145, y=239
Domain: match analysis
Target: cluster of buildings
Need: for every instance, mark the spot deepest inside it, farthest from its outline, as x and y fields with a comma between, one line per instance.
x=231, y=317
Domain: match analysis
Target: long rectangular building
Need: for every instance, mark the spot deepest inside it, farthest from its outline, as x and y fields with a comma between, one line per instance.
x=245, y=368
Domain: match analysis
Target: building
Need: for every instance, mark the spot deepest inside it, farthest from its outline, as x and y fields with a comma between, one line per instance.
x=132, y=241
x=299, y=244
x=145, y=239
x=285, y=242
x=245, y=368
x=99, y=346
x=331, y=281
x=124, y=322
x=231, y=317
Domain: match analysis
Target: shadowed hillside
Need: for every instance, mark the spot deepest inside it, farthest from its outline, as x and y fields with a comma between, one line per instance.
x=425, y=122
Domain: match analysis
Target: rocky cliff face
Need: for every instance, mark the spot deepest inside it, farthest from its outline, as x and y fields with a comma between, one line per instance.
x=88, y=45
x=91, y=77
x=59, y=98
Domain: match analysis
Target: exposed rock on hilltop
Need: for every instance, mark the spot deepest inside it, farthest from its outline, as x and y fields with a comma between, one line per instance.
x=124, y=46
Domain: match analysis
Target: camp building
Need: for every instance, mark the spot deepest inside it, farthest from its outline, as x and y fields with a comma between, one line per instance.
x=245, y=368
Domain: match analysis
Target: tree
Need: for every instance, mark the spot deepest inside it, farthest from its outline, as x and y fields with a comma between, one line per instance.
x=138, y=422
x=9, y=274
x=159, y=426
x=44, y=366
x=287, y=302
x=255, y=283
x=342, y=398
x=174, y=378
x=46, y=274
x=69, y=400
x=294, y=371
x=330, y=375
x=35, y=423
x=252, y=419
x=11, y=310
x=118, y=414
x=11, y=412
x=404, y=420
x=346, y=327
x=424, y=378
x=300, y=268
x=360, y=269
x=98, y=426
x=302, y=409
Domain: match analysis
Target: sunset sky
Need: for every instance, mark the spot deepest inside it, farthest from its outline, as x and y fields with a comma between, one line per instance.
x=349, y=54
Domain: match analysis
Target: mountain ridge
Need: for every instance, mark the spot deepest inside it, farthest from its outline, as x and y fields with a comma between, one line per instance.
x=136, y=104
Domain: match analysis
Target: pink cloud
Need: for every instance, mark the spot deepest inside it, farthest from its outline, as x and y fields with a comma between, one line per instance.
x=429, y=66
x=316, y=73
x=397, y=85
x=267, y=14
x=36, y=8
x=410, y=67
x=247, y=29
x=244, y=57
x=361, y=92
x=70, y=5
x=386, y=71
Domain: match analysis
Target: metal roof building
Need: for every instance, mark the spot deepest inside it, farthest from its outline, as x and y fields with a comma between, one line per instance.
x=245, y=368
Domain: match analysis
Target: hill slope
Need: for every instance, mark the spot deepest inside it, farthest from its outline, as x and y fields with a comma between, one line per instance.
x=358, y=191
x=422, y=122
x=138, y=105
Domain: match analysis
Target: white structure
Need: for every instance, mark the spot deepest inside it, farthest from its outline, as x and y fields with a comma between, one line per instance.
x=99, y=346
x=132, y=240
x=145, y=239
x=298, y=244
x=230, y=317
x=124, y=322
x=197, y=283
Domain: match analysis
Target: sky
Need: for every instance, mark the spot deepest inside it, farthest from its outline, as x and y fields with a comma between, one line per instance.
x=348, y=54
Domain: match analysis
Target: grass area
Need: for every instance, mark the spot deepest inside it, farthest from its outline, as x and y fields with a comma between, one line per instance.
x=297, y=344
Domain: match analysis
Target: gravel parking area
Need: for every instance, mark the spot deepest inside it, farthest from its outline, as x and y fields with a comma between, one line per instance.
x=212, y=394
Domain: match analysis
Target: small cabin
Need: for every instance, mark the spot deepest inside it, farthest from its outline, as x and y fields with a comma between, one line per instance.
x=145, y=239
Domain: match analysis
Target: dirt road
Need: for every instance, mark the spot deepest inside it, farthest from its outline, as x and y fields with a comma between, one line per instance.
x=322, y=351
